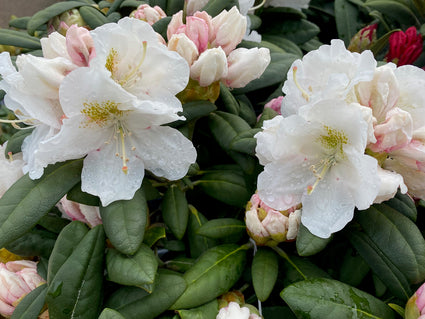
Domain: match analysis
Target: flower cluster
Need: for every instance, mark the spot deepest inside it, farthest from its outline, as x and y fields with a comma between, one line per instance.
x=351, y=134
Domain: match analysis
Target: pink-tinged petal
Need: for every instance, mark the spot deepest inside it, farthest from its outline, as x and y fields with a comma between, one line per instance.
x=80, y=45
x=175, y=23
x=183, y=46
x=210, y=67
x=197, y=31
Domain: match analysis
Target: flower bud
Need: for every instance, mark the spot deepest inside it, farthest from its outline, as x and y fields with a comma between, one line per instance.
x=210, y=67
x=149, y=14
x=197, y=31
x=176, y=24
x=405, y=47
x=234, y=311
x=364, y=39
x=80, y=45
x=268, y=226
x=415, y=307
x=17, y=279
x=61, y=22
x=54, y=46
x=183, y=46
x=275, y=104
x=246, y=65
x=76, y=211
x=229, y=29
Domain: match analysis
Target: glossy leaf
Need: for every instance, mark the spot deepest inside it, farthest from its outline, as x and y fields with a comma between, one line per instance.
x=207, y=311
x=309, y=244
x=109, y=313
x=42, y=16
x=395, y=250
x=125, y=221
x=137, y=270
x=175, y=211
x=245, y=142
x=197, y=243
x=31, y=305
x=76, y=289
x=215, y=272
x=264, y=271
x=326, y=298
x=36, y=242
x=222, y=227
x=298, y=269
x=346, y=17
x=28, y=200
x=153, y=234
x=93, y=17
x=135, y=304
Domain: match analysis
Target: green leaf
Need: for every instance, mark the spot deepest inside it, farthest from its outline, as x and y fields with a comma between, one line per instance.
x=346, y=17
x=264, y=271
x=42, y=16
x=28, y=200
x=53, y=223
x=36, y=242
x=296, y=30
x=175, y=211
x=227, y=100
x=19, y=39
x=15, y=142
x=133, y=304
x=161, y=26
x=245, y=142
x=396, y=10
x=403, y=204
x=19, y=23
x=31, y=305
x=194, y=110
x=108, y=313
x=65, y=244
x=395, y=250
x=214, y=7
x=173, y=6
x=115, y=5
x=77, y=195
x=197, y=244
x=309, y=244
x=153, y=234
x=382, y=42
x=76, y=289
x=326, y=298
x=278, y=313
x=298, y=269
x=285, y=44
x=268, y=114
x=222, y=227
x=353, y=269
x=207, y=311
x=215, y=272
x=125, y=221
x=131, y=3
x=226, y=186
x=93, y=17
x=180, y=264
x=137, y=270
x=246, y=110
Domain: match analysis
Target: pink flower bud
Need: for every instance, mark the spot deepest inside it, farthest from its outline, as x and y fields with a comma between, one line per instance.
x=149, y=14
x=405, y=47
x=210, y=67
x=17, y=278
x=275, y=104
x=183, y=46
x=364, y=39
x=246, y=65
x=229, y=29
x=76, y=211
x=80, y=45
x=197, y=31
x=415, y=307
x=176, y=24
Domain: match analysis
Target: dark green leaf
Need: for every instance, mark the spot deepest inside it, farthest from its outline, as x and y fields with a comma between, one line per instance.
x=308, y=244
x=19, y=39
x=31, y=305
x=283, y=43
x=278, y=313
x=214, y=7
x=36, y=242
x=175, y=211
x=153, y=234
x=77, y=195
x=41, y=17
x=108, y=313
x=197, y=244
x=326, y=298
x=227, y=100
x=115, y=5
x=298, y=269
x=245, y=142
x=382, y=42
x=395, y=9
x=246, y=110
x=137, y=270
x=131, y=3
x=93, y=17
x=264, y=272
x=215, y=272
x=403, y=204
x=207, y=311
x=76, y=289
x=173, y=6
x=268, y=114
x=346, y=17
x=161, y=26
x=353, y=269
x=173, y=245
x=15, y=142
x=53, y=223
x=222, y=227
x=125, y=221
x=296, y=30
x=194, y=110
x=28, y=200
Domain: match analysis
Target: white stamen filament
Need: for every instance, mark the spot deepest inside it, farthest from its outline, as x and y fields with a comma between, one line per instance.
x=132, y=76
x=303, y=92
x=325, y=165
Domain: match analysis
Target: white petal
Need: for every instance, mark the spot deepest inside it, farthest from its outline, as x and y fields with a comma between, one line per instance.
x=390, y=182
x=164, y=150
x=102, y=175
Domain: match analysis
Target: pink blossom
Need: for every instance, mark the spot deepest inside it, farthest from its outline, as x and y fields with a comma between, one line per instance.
x=76, y=211
x=275, y=104
x=80, y=45
x=149, y=14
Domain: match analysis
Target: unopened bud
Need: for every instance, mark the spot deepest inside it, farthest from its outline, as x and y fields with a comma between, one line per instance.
x=210, y=67
x=364, y=39
x=415, y=307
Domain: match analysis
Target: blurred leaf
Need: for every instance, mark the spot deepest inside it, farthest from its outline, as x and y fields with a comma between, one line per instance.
x=125, y=221
x=264, y=272
x=296, y=30
x=26, y=201
x=395, y=9
x=395, y=250
x=214, y=7
x=222, y=227
x=173, y=245
x=93, y=17
x=19, y=23
x=214, y=273
x=153, y=234
x=346, y=17
x=115, y=5
x=19, y=39
x=131, y=3
x=36, y=242
x=108, y=313
x=173, y=6
x=31, y=305
x=197, y=243
x=246, y=110
x=207, y=311
x=136, y=304
x=175, y=211
x=278, y=313
x=326, y=298
x=353, y=269
x=309, y=244
x=15, y=142
x=268, y=114
x=76, y=289
x=77, y=195
x=42, y=16
x=137, y=270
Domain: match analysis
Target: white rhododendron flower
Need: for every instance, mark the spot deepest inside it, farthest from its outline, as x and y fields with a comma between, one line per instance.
x=10, y=169
x=317, y=159
x=326, y=73
x=234, y=311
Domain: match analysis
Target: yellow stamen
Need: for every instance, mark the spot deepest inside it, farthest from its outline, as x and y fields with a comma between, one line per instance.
x=303, y=92
x=327, y=164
